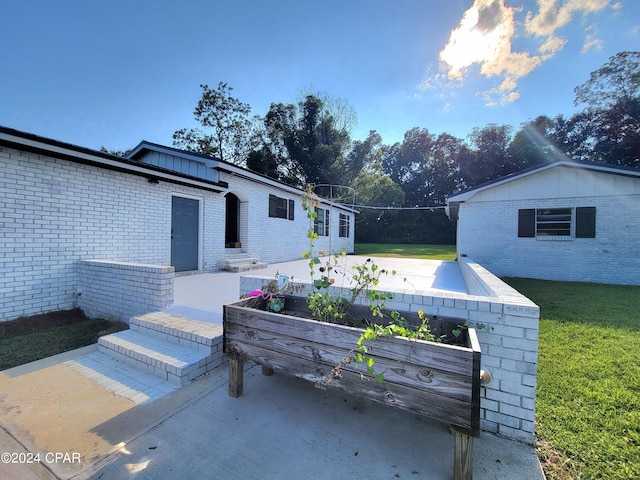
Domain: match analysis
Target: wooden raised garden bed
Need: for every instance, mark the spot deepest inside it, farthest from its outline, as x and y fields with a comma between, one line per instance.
x=437, y=380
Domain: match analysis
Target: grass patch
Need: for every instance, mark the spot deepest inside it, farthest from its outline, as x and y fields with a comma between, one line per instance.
x=429, y=252
x=28, y=339
x=588, y=393
x=588, y=390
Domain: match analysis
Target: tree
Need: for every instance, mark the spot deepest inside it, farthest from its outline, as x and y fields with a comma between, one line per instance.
x=612, y=95
x=405, y=163
x=427, y=170
x=227, y=120
x=374, y=189
x=117, y=153
x=616, y=81
x=442, y=173
x=534, y=144
x=363, y=155
x=572, y=136
x=492, y=158
x=307, y=143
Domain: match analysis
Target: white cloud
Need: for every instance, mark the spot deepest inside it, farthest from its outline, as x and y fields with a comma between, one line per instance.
x=591, y=40
x=551, y=16
x=484, y=37
x=552, y=46
x=484, y=32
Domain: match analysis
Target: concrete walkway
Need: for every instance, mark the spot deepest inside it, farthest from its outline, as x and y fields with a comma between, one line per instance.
x=280, y=428
x=202, y=296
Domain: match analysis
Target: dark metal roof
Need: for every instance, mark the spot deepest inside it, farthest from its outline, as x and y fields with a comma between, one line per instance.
x=47, y=146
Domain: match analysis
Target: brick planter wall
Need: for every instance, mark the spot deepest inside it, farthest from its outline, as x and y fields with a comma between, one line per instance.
x=509, y=341
x=120, y=290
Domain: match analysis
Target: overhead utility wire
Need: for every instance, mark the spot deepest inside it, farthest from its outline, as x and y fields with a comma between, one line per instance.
x=417, y=207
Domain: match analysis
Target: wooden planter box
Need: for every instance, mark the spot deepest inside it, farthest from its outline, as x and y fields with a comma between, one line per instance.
x=436, y=380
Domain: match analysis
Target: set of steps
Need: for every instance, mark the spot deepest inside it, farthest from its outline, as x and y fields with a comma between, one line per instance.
x=239, y=261
x=172, y=347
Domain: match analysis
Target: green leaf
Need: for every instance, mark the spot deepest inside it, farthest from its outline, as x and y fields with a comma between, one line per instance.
x=379, y=377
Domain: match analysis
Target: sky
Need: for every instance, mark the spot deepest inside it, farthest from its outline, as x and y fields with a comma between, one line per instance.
x=115, y=72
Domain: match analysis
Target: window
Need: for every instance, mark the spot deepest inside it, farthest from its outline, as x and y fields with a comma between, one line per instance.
x=344, y=225
x=321, y=223
x=557, y=223
x=554, y=222
x=281, y=207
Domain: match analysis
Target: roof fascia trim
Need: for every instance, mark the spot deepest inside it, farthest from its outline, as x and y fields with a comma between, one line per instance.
x=112, y=162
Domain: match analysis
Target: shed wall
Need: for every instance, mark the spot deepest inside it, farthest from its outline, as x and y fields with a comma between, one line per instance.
x=488, y=233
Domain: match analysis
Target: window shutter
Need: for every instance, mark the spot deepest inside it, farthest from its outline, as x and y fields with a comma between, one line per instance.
x=586, y=222
x=273, y=205
x=527, y=222
x=326, y=223
x=291, y=207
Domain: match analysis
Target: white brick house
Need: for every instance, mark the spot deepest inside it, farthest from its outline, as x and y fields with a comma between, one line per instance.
x=567, y=220
x=61, y=204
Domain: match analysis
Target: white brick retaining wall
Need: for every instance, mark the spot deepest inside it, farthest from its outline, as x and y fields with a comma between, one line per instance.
x=509, y=341
x=120, y=290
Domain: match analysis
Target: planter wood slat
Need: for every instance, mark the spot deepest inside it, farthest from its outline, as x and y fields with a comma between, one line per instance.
x=452, y=357
x=436, y=380
x=430, y=378
x=432, y=405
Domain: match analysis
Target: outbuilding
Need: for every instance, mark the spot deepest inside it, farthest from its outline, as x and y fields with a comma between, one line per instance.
x=566, y=220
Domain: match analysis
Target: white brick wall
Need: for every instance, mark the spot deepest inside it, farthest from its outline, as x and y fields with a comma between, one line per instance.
x=509, y=341
x=120, y=290
x=488, y=233
x=55, y=212
x=279, y=239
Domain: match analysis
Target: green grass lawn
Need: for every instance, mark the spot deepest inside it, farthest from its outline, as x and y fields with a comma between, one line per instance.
x=588, y=393
x=429, y=252
x=27, y=347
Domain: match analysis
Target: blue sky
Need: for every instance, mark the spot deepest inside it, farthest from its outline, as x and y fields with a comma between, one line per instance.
x=112, y=73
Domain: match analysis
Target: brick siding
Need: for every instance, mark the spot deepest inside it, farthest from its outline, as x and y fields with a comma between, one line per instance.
x=509, y=341
x=488, y=233
x=56, y=212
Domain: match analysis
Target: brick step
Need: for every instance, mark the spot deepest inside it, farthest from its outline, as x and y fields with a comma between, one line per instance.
x=245, y=267
x=242, y=263
x=121, y=378
x=177, y=363
x=170, y=327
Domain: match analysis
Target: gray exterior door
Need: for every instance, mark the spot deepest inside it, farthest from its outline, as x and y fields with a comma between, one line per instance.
x=185, y=214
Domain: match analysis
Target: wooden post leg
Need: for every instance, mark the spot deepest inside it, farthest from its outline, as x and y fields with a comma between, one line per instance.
x=462, y=456
x=236, y=377
x=266, y=371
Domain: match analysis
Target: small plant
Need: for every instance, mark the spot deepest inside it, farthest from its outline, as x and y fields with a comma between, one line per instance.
x=329, y=308
x=273, y=292
x=322, y=304
x=397, y=327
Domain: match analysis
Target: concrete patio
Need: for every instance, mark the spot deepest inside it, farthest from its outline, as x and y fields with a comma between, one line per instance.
x=279, y=428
